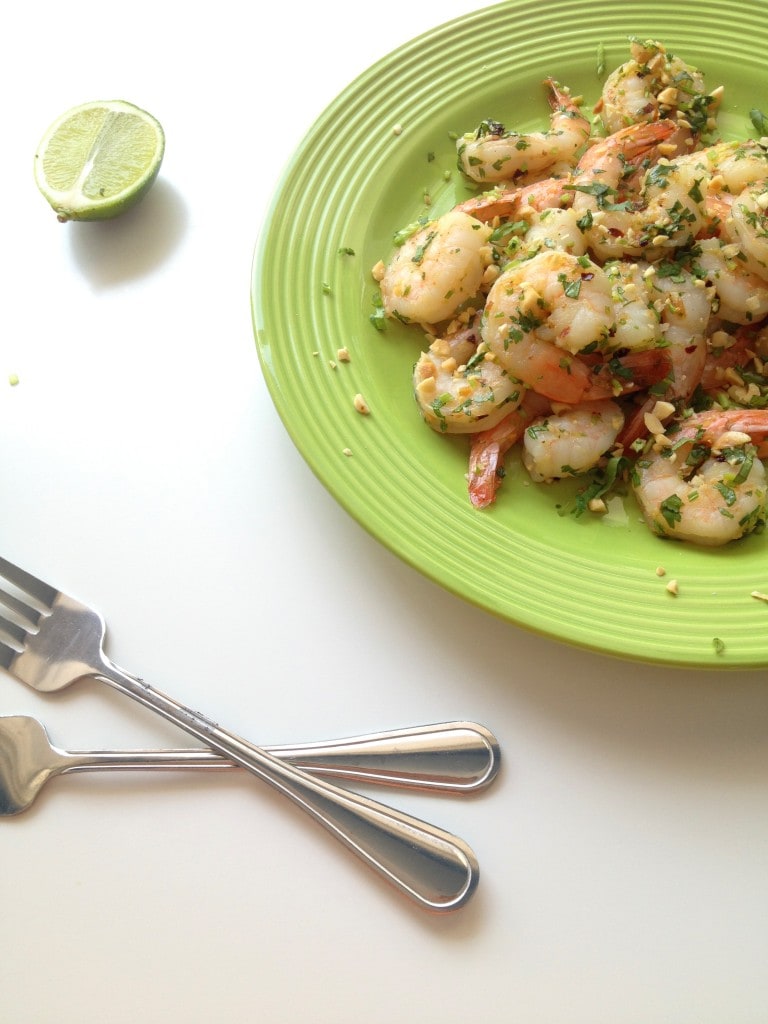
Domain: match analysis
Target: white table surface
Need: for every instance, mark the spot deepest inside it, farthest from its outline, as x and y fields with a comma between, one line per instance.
x=144, y=469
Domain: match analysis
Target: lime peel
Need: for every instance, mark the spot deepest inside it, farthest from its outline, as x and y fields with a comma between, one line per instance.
x=99, y=159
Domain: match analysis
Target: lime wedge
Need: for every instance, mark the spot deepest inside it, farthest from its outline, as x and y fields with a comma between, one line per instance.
x=98, y=159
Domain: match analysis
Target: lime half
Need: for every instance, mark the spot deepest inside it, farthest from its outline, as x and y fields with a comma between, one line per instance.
x=98, y=159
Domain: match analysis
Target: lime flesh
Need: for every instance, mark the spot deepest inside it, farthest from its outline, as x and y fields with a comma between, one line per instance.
x=97, y=160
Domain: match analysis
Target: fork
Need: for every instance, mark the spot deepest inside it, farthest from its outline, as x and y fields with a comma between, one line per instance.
x=457, y=757
x=52, y=640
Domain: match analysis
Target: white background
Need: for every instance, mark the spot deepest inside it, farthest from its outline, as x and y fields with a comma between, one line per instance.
x=623, y=850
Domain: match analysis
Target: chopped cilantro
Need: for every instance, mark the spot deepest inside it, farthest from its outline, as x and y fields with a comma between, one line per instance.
x=405, y=233
x=728, y=493
x=759, y=120
x=670, y=509
x=600, y=60
x=378, y=317
x=489, y=127
x=418, y=256
x=601, y=483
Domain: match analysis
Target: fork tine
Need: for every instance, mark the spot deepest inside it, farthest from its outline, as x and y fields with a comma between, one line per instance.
x=7, y=654
x=26, y=581
x=25, y=611
x=13, y=631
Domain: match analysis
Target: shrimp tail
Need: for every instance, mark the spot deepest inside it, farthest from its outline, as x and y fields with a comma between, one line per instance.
x=635, y=427
x=753, y=422
x=632, y=141
x=623, y=375
x=486, y=457
x=485, y=465
x=560, y=98
x=717, y=363
x=549, y=194
x=712, y=426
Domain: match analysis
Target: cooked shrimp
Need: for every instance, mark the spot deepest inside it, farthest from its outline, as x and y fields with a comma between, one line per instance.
x=545, y=317
x=611, y=159
x=722, y=500
x=668, y=214
x=460, y=388
x=637, y=320
x=707, y=485
x=661, y=305
x=572, y=441
x=436, y=270
x=540, y=313
x=683, y=305
x=486, y=457
x=493, y=154
x=680, y=142
x=748, y=224
x=652, y=85
x=529, y=218
x=742, y=295
x=554, y=229
x=728, y=167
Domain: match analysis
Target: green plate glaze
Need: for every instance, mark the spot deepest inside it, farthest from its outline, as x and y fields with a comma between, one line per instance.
x=362, y=172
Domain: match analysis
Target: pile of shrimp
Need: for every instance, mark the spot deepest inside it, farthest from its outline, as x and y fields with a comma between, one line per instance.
x=601, y=303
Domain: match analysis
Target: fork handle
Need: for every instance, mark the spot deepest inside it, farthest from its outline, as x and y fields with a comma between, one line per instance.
x=434, y=868
x=455, y=757
x=446, y=757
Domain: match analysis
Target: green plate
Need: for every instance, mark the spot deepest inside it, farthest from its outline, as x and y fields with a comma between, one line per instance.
x=362, y=172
